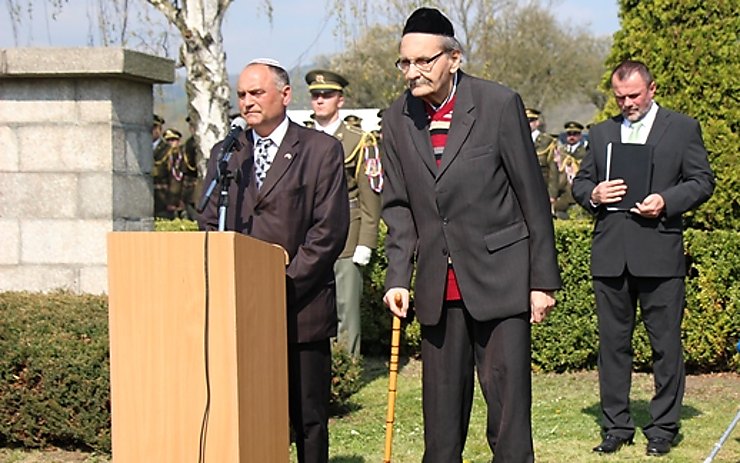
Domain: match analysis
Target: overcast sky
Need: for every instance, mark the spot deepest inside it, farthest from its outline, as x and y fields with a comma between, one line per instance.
x=299, y=31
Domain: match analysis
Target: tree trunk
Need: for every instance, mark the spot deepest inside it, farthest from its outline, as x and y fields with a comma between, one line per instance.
x=202, y=55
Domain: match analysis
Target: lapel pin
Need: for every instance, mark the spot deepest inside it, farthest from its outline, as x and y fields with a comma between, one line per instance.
x=288, y=156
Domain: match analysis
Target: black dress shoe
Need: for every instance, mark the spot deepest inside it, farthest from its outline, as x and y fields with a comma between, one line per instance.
x=657, y=446
x=612, y=443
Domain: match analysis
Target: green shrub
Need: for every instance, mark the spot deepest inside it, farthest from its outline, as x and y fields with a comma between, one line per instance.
x=54, y=368
x=377, y=320
x=711, y=325
x=175, y=225
x=568, y=340
x=346, y=372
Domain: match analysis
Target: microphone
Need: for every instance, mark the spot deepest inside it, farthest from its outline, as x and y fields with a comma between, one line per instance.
x=237, y=126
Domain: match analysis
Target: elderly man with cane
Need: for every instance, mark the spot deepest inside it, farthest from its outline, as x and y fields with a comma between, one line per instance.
x=464, y=200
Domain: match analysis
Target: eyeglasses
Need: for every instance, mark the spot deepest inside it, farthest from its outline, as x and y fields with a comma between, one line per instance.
x=572, y=134
x=422, y=64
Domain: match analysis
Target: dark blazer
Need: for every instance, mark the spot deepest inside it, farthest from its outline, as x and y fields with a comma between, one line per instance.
x=303, y=207
x=681, y=175
x=486, y=206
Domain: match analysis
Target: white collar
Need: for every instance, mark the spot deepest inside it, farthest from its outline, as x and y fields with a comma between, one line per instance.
x=647, y=120
x=276, y=136
x=449, y=97
x=331, y=128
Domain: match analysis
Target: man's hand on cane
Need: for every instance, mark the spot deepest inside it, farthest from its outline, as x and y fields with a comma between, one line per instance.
x=397, y=300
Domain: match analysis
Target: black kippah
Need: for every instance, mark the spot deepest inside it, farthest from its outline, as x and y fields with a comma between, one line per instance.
x=429, y=21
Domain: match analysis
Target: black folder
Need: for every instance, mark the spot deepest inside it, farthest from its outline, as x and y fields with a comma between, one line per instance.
x=634, y=164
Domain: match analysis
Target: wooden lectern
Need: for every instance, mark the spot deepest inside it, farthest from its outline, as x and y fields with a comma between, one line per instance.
x=198, y=348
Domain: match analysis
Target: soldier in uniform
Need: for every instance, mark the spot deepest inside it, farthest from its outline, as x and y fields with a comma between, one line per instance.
x=354, y=121
x=191, y=156
x=545, y=146
x=564, y=167
x=364, y=182
x=160, y=171
x=157, y=124
x=174, y=162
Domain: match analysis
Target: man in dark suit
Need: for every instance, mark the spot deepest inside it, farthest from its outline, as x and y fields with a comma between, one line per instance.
x=637, y=255
x=465, y=199
x=289, y=189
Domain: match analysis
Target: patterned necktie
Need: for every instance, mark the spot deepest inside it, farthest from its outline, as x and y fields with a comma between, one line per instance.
x=261, y=160
x=634, y=135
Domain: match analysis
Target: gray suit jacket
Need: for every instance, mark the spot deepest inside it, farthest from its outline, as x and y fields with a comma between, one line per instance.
x=302, y=206
x=486, y=206
x=681, y=175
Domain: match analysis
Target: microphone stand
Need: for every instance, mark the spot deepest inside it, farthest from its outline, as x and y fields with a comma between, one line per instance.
x=224, y=178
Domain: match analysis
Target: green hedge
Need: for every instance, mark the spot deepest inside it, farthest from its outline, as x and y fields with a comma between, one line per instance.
x=54, y=362
x=54, y=370
x=568, y=340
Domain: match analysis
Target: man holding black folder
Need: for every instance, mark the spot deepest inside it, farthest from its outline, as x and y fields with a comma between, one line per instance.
x=637, y=250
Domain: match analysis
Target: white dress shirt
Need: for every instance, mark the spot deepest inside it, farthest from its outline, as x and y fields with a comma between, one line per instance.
x=647, y=124
x=276, y=137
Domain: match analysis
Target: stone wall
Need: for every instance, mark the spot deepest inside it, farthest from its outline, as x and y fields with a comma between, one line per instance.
x=75, y=159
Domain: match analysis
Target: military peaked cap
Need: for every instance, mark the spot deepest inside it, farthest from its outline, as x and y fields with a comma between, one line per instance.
x=353, y=120
x=172, y=134
x=532, y=113
x=573, y=126
x=320, y=81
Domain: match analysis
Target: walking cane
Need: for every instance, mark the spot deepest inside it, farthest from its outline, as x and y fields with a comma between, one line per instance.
x=728, y=431
x=392, y=382
x=722, y=440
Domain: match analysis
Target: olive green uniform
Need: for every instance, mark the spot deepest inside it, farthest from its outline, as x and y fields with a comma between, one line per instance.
x=564, y=167
x=365, y=207
x=189, y=168
x=363, y=172
x=545, y=146
x=161, y=178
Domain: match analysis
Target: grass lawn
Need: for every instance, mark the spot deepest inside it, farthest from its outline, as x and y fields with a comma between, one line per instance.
x=565, y=416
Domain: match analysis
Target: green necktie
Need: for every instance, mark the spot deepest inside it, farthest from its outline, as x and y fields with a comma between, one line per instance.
x=634, y=135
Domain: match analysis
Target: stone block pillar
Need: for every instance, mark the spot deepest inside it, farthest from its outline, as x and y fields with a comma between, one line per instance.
x=75, y=161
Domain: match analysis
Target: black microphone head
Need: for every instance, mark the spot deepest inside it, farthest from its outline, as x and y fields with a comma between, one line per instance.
x=237, y=127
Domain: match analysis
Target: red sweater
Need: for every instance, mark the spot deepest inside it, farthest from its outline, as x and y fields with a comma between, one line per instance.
x=439, y=126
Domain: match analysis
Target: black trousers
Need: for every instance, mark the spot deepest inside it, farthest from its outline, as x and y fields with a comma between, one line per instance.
x=309, y=376
x=662, y=302
x=500, y=351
